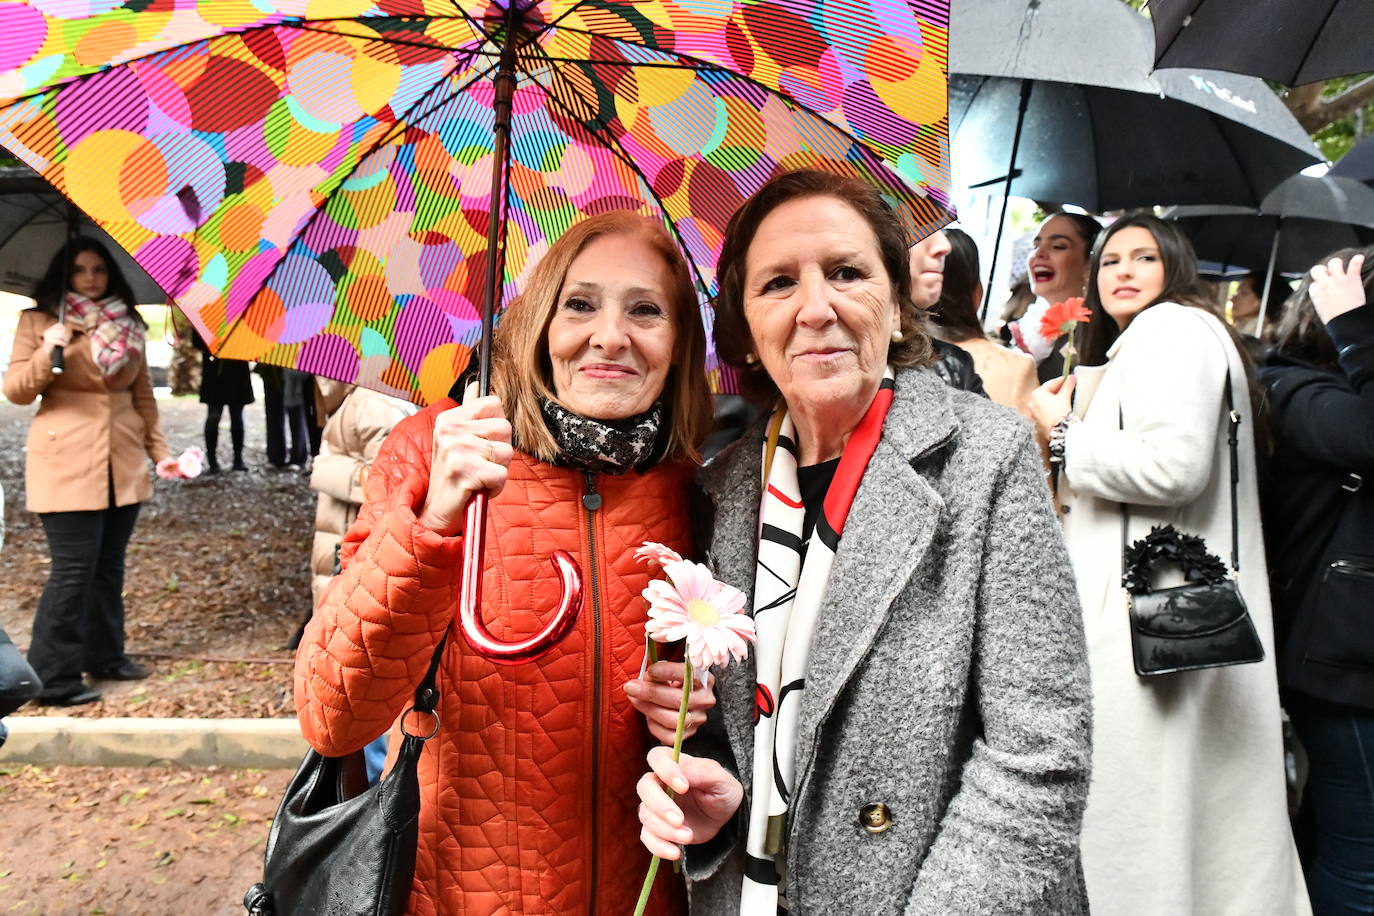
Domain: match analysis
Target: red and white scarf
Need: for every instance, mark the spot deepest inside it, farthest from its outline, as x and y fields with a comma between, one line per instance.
x=788, y=593
x=115, y=334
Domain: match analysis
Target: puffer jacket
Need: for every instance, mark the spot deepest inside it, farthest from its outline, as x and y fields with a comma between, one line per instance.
x=528, y=800
x=352, y=437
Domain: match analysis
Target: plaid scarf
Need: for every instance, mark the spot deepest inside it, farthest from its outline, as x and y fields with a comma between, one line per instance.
x=116, y=335
x=788, y=591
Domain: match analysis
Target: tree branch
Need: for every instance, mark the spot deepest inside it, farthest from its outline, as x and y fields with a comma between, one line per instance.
x=1313, y=112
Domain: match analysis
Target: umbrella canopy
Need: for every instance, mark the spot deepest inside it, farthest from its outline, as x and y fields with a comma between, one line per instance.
x=1287, y=41
x=1096, y=128
x=1309, y=217
x=1358, y=163
x=35, y=221
x=311, y=180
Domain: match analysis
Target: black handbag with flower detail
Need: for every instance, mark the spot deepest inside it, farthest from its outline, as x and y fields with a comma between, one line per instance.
x=1203, y=623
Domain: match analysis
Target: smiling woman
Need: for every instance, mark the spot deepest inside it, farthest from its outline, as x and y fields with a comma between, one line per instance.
x=882, y=524
x=601, y=405
x=1188, y=775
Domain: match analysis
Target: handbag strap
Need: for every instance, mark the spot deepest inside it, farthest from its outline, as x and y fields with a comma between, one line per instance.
x=427, y=694
x=1233, y=444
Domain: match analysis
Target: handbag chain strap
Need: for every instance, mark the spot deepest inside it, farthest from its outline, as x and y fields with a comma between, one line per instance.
x=1232, y=442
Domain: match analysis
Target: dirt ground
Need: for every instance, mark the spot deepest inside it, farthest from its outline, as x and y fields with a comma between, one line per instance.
x=143, y=842
x=217, y=579
x=216, y=584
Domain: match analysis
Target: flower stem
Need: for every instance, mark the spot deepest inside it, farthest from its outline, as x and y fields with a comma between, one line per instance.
x=677, y=754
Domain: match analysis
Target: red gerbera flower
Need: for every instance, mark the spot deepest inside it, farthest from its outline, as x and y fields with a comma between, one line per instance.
x=1062, y=317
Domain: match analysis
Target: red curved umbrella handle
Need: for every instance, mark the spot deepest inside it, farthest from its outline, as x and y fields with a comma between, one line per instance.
x=470, y=598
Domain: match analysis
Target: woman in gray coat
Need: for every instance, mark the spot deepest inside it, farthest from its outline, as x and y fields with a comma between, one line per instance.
x=911, y=732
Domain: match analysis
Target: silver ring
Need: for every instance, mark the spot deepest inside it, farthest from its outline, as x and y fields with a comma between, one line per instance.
x=434, y=731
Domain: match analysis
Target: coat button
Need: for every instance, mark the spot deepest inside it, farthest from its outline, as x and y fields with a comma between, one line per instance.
x=875, y=818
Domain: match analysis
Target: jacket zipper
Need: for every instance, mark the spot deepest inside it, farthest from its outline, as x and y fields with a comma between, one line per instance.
x=591, y=501
x=1353, y=568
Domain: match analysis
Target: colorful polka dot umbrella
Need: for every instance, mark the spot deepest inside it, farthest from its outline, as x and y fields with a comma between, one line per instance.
x=312, y=181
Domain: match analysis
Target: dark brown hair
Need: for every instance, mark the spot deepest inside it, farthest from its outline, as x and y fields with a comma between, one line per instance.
x=955, y=315
x=735, y=342
x=1181, y=284
x=1300, y=333
x=48, y=292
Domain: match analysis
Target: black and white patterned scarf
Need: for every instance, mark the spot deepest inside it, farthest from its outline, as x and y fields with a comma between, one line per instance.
x=604, y=446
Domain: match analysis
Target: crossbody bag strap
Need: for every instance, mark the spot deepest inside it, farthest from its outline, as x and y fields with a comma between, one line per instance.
x=1233, y=446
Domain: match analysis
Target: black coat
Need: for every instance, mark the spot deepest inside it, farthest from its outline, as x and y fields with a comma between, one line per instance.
x=222, y=381
x=1319, y=516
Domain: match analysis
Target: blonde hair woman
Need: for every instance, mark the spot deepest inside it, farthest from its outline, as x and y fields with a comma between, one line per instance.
x=527, y=792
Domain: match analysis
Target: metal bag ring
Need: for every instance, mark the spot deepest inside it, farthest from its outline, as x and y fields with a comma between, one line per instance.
x=434, y=731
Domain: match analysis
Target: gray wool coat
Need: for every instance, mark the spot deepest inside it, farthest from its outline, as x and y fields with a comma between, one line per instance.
x=947, y=679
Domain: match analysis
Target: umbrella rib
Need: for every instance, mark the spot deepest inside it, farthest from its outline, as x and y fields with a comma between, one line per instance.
x=697, y=64
x=400, y=42
x=1312, y=45
x=227, y=33
x=399, y=124
x=634, y=167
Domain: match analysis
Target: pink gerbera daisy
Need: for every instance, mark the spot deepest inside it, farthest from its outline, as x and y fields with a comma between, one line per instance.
x=692, y=605
x=654, y=552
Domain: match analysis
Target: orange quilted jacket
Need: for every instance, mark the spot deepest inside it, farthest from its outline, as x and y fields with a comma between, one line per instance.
x=528, y=798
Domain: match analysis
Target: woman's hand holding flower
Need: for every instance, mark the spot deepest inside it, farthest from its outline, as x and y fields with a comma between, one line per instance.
x=707, y=797
x=471, y=452
x=1335, y=289
x=1050, y=403
x=658, y=696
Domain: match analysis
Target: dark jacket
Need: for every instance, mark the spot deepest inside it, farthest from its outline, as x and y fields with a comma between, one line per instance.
x=222, y=381
x=955, y=367
x=1319, y=516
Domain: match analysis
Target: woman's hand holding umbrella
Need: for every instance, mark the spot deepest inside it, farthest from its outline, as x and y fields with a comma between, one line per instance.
x=471, y=452
x=55, y=338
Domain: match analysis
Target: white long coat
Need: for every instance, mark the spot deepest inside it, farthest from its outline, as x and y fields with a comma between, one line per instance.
x=1186, y=809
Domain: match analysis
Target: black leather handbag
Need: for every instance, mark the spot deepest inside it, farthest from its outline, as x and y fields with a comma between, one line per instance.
x=1203, y=623
x=338, y=847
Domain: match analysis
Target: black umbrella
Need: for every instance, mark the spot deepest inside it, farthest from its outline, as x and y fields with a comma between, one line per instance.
x=35, y=221
x=1054, y=100
x=1287, y=41
x=1358, y=163
x=1298, y=223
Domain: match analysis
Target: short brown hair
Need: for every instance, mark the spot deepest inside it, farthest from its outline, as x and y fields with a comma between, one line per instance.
x=523, y=376
x=734, y=342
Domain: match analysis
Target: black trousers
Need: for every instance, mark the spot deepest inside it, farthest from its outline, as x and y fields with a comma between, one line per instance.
x=80, y=621
x=279, y=419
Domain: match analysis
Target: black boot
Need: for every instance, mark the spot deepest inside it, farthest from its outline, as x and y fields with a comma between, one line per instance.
x=236, y=434
x=211, y=444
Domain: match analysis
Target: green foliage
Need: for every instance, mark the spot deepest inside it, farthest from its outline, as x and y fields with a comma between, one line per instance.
x=1335, y=139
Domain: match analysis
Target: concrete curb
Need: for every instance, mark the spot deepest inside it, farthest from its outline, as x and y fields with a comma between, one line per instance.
x=69, y=741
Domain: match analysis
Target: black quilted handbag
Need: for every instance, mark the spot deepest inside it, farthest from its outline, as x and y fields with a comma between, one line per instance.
x=338, y=847
x=1203, y=623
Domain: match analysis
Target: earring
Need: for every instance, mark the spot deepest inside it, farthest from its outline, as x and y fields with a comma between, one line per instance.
x=896, y=335
x=750, y=358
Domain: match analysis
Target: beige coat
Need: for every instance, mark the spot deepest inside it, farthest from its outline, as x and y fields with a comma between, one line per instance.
x=351, y=439
x=86, y=430
x=1008, y=375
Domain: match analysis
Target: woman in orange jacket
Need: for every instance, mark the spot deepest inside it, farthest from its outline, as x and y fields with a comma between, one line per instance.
x=86, y=463
x=528, y=800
